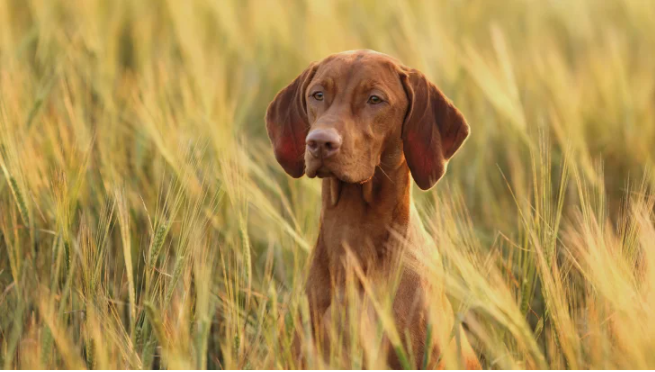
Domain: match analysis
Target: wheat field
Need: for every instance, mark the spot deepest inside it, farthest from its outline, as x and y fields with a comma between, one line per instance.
x=144, y=222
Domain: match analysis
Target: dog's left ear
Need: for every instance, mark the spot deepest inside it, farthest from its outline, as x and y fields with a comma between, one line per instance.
x=433, y=130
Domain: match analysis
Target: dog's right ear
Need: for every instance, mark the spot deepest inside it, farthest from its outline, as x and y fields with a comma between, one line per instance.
x=287, y=123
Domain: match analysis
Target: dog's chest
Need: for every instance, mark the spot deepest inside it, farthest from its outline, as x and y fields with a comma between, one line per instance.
x=366, y=242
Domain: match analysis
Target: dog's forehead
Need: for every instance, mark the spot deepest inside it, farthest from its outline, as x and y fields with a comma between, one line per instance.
x=358, y=64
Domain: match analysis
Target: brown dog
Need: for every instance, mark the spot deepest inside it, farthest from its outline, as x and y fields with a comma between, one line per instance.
x=363, y=123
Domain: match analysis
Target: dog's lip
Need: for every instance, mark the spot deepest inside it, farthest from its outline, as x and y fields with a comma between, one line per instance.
x=324, y=172
x=323, y=169
x=315, y=166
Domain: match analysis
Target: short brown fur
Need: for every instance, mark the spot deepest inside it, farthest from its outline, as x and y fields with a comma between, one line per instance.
x=366, y=202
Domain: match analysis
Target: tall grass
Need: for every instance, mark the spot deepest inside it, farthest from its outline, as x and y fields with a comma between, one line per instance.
x=144, y=222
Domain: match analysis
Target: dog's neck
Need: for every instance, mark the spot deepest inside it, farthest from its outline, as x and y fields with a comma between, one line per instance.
x=361, y=217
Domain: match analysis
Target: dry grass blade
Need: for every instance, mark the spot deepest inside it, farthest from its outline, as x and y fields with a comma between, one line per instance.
x=145, y=223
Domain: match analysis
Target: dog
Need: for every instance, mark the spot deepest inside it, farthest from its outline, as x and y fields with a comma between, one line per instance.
x=367, y=125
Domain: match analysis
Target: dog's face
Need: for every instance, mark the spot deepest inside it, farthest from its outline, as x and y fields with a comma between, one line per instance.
x=355, y=105
x=355, y=111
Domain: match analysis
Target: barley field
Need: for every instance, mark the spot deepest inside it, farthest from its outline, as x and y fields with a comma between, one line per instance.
x=144, y=222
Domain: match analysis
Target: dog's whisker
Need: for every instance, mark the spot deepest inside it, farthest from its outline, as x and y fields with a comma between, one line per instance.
x=385, y=174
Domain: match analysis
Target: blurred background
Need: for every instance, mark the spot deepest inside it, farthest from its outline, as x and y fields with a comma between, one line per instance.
x=145, y=223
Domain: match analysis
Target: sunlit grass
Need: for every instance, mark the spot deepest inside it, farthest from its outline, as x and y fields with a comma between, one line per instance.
x=144, y=222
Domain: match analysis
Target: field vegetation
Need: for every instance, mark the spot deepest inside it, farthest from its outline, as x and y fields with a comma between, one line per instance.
x=144, y=222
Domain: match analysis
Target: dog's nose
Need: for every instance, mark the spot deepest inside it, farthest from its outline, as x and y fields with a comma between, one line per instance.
x=323, y=143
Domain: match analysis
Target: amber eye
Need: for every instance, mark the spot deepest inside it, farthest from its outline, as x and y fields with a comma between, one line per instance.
x=318, y=96
x=374, y=100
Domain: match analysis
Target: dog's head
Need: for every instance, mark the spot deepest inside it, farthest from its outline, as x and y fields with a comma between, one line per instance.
x=354, y=111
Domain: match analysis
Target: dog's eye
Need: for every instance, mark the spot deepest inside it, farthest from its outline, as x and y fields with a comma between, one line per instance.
x=318, y=96
x=374, y=100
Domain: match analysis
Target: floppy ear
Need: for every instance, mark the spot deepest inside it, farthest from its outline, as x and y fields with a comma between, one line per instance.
x=287, y=124
x=433, y=130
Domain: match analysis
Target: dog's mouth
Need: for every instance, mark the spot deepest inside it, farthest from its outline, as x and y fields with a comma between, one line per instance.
x=338, y=180
x=321, y=171
x=328, y=169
